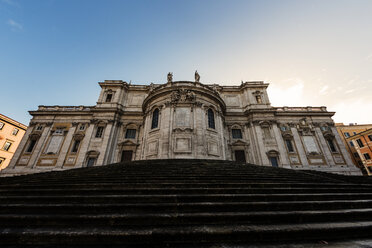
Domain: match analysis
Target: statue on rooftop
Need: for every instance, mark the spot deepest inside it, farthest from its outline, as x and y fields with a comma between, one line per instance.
x=170, y=77
x=197, y=76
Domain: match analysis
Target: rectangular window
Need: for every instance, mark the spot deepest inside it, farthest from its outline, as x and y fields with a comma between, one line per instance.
x=347, y=134
x=289, y=145
x=274, y=161
x=58, y=131
x=82, y=127
x=284, y=128
x=370, y=137
x=31, y=146
x=75, y=147
x=99, y=132
x=237, y=133
x=354, y=133
x=266, y=132
x=91, y=161
x=360, y=142
x=366, y=156
x=15, y=131
x=108, y=97
x=369, y=169
x=360, y=163
x=351, y=143
x=356, y=155
x=1, y=125
x=2, y=160
x=39, y=128
x=7, y=146
x=130, y=134
x=332, y=145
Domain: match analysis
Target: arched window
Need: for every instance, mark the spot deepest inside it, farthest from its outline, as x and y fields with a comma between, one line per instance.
x=236, y=133
x=289, y=145
x=211, y=119
x=155, y=119
x=331, y=145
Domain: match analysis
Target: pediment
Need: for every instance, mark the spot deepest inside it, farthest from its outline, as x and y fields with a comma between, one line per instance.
x=239, y=143
x=127, y=143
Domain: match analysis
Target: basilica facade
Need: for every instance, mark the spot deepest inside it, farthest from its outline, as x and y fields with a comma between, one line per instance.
x=181, y=119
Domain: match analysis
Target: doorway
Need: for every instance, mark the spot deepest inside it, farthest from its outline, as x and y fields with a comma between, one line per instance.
x=274, y=161
x=126, y=156
x=240, y=156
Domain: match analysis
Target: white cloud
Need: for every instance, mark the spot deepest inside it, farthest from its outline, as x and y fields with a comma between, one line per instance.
x=15, y=25
x=287, y=96
x=349, y=91
x=369, y=57
x=352, y=110
x=323, y=90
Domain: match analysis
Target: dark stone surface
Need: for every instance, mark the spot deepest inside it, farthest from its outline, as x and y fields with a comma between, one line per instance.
x=185, y=203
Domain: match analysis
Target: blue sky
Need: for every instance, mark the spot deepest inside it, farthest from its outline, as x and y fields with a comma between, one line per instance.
x=53, y=52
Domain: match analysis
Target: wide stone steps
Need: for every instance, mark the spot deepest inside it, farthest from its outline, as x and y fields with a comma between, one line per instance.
x=183, y=234
x=181, y=202
x=174, y=207
x=182, y=198
x=151, y=219
x=125, y=190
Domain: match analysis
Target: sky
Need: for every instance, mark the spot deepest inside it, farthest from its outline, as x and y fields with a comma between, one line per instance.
x=312, y=53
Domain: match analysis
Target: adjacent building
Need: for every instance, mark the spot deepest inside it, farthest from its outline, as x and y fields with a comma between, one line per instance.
x=182, y=119
x=362, y=143
x=347, y=131
x=11, y=133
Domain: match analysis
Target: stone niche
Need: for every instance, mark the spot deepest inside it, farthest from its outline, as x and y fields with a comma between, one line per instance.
x=213, y=148
x=152, y=147
x=182, y=145
x=310, y=145
x=232, y=100
x=182, y=117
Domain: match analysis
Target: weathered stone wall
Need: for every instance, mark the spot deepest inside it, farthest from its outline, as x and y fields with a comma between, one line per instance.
x=119, y=127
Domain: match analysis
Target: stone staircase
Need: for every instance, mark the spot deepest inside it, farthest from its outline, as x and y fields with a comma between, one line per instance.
x=182, y=203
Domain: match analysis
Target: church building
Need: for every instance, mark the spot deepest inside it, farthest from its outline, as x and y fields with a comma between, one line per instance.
x=181, y=119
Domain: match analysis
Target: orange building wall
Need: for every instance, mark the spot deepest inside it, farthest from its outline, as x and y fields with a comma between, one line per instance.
x=366, y=138
x=351, y=129
x=6, y=135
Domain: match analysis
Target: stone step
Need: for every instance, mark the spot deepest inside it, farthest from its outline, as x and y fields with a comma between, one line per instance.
x=183, y=234
x=89, y=190
x=182, y=198
x=150, y=219
x=174, y=207
x=205, y=184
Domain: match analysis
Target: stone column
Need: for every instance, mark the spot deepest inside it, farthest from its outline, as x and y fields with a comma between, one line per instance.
x=200, y=133
x=145, y=135
x=342, y=147
x=165, y=133
x=112, y=143
x=261, y=146
x=300, y=148
x=40, y=144
x=20, y=148
x=324, y=147
x=251, y=146
x=254, y=145
x=84, y=146
x=64, y=149
x=223, y=151
x=281, y=147
x=102, y=158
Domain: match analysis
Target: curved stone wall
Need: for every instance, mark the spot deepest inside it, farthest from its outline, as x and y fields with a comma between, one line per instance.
x=183, y=129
